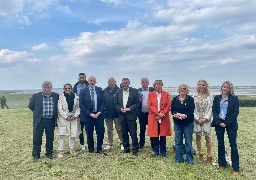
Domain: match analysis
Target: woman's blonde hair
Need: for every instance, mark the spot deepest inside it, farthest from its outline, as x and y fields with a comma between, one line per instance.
x=186, y=86
x=231, y=87
x=207, y=90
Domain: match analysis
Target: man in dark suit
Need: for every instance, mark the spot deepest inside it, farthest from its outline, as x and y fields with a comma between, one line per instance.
x=126, y=102
x=143, y=109
x=44, y=107
x=92, y=113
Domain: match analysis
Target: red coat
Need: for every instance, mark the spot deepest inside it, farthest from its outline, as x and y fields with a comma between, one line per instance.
x=165, y=105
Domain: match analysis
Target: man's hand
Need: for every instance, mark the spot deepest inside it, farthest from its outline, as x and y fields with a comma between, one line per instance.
x=123, y=110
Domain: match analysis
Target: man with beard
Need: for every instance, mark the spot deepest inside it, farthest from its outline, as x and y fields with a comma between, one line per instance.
x=81, y=84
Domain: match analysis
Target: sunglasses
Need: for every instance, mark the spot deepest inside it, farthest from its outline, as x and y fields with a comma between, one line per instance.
x=183, y=88
x=67, y=88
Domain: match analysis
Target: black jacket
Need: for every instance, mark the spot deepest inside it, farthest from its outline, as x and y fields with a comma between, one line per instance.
x=75, y=86
x=109, y=102
x=187, y=107
x=36, y=106
x=132, y=103
x=232, y=112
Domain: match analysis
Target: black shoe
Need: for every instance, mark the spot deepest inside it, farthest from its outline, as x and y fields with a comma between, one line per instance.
x=163, y=155
x=91, y=151
x=101, y=152
x=155, y=155
x=50, y=156
x=35, y=159
x=127, y=150
x=141, y=146
x=135, y=153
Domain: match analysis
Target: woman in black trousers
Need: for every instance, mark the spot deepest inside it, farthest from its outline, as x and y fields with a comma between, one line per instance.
x=225, y=111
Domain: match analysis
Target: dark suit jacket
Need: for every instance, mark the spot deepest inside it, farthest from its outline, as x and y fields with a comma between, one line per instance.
x=132, y=103
x=150, y=89
x=232, y=112
x=36, y=106
x=86, y=105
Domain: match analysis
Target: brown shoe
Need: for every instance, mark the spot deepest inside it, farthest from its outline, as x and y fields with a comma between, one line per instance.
x=200, y=158
x=235, y=173
x=61, y=154
x=72, y=152
x=221, y=168
x=209, y=160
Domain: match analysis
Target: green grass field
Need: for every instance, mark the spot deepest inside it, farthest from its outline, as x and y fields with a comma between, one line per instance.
x=16, y=160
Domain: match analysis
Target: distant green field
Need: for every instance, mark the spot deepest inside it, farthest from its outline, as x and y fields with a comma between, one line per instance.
x=22, y=100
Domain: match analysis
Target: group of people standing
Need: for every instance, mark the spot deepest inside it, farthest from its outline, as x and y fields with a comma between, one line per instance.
x=87, y=107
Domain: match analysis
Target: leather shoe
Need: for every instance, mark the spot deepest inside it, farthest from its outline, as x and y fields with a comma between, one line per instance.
x=101, y=152
x=135, y=153
x=50, y=156
x=127, y=151
x=35, y=159
x=221, y=168
x=235, y=173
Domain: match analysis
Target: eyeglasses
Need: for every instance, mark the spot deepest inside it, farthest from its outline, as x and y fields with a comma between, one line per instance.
x=67, y=88
x=183, y=88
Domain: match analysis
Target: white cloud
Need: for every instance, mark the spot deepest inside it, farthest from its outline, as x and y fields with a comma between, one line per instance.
x=12, y=57
x=41, y=47
x=116, y=2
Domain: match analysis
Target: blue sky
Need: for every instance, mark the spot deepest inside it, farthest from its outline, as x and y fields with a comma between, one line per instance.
x=178, y=41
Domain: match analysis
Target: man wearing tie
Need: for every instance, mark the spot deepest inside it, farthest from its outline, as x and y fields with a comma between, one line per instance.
x=92, y=113
x=126, y=102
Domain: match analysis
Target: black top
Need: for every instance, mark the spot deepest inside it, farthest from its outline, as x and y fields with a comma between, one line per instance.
x=109, y=102
x=185, y=107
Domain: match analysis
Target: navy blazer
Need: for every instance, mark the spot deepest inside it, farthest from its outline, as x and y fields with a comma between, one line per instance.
x=86, y=106
x=132, y=103
x=232, y=112
x=36, y=106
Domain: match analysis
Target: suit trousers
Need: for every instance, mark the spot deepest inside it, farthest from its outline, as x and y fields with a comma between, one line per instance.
x=143, y=124
x=131, y=127
x=99, y=127
x=48, y=126
x=81, y=136
x=232, y=135
x=159, y=141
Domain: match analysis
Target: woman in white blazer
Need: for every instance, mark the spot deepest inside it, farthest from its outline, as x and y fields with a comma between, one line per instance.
x=68, y=122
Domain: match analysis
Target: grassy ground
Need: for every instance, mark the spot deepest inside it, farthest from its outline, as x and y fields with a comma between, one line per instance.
x=16, y=160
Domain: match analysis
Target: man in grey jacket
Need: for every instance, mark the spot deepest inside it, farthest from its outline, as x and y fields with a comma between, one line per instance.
x=44, y=107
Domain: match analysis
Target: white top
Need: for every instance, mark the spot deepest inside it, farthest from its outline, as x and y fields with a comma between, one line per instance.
x=125, y=97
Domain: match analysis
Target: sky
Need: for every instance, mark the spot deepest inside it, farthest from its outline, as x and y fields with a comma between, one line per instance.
x=178, y=41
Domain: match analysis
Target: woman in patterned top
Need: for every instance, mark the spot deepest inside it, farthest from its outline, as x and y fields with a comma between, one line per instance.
x=203, y=117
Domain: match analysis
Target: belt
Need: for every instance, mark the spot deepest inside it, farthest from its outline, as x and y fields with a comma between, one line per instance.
x=47, y=118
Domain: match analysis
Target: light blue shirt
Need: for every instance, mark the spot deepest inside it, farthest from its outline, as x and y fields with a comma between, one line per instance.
x=95, y=97
x=223, y=109
x=144, y=107
x=80, y=87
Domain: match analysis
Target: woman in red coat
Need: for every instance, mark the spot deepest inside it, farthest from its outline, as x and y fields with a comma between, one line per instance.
x=159, y=124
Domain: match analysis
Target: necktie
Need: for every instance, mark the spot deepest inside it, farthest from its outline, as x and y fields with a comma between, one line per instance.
x=93, y=101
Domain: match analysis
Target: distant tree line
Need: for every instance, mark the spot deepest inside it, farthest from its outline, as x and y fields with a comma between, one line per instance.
x=247, y=102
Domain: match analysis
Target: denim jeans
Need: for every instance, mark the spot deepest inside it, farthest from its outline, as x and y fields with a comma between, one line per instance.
x=232, y=134
x=186, y=132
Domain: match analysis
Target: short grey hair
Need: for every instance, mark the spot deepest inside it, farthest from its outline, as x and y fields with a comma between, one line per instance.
x=144, y=78
x=47, y=83
x=185, y=85
x=112, y=78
